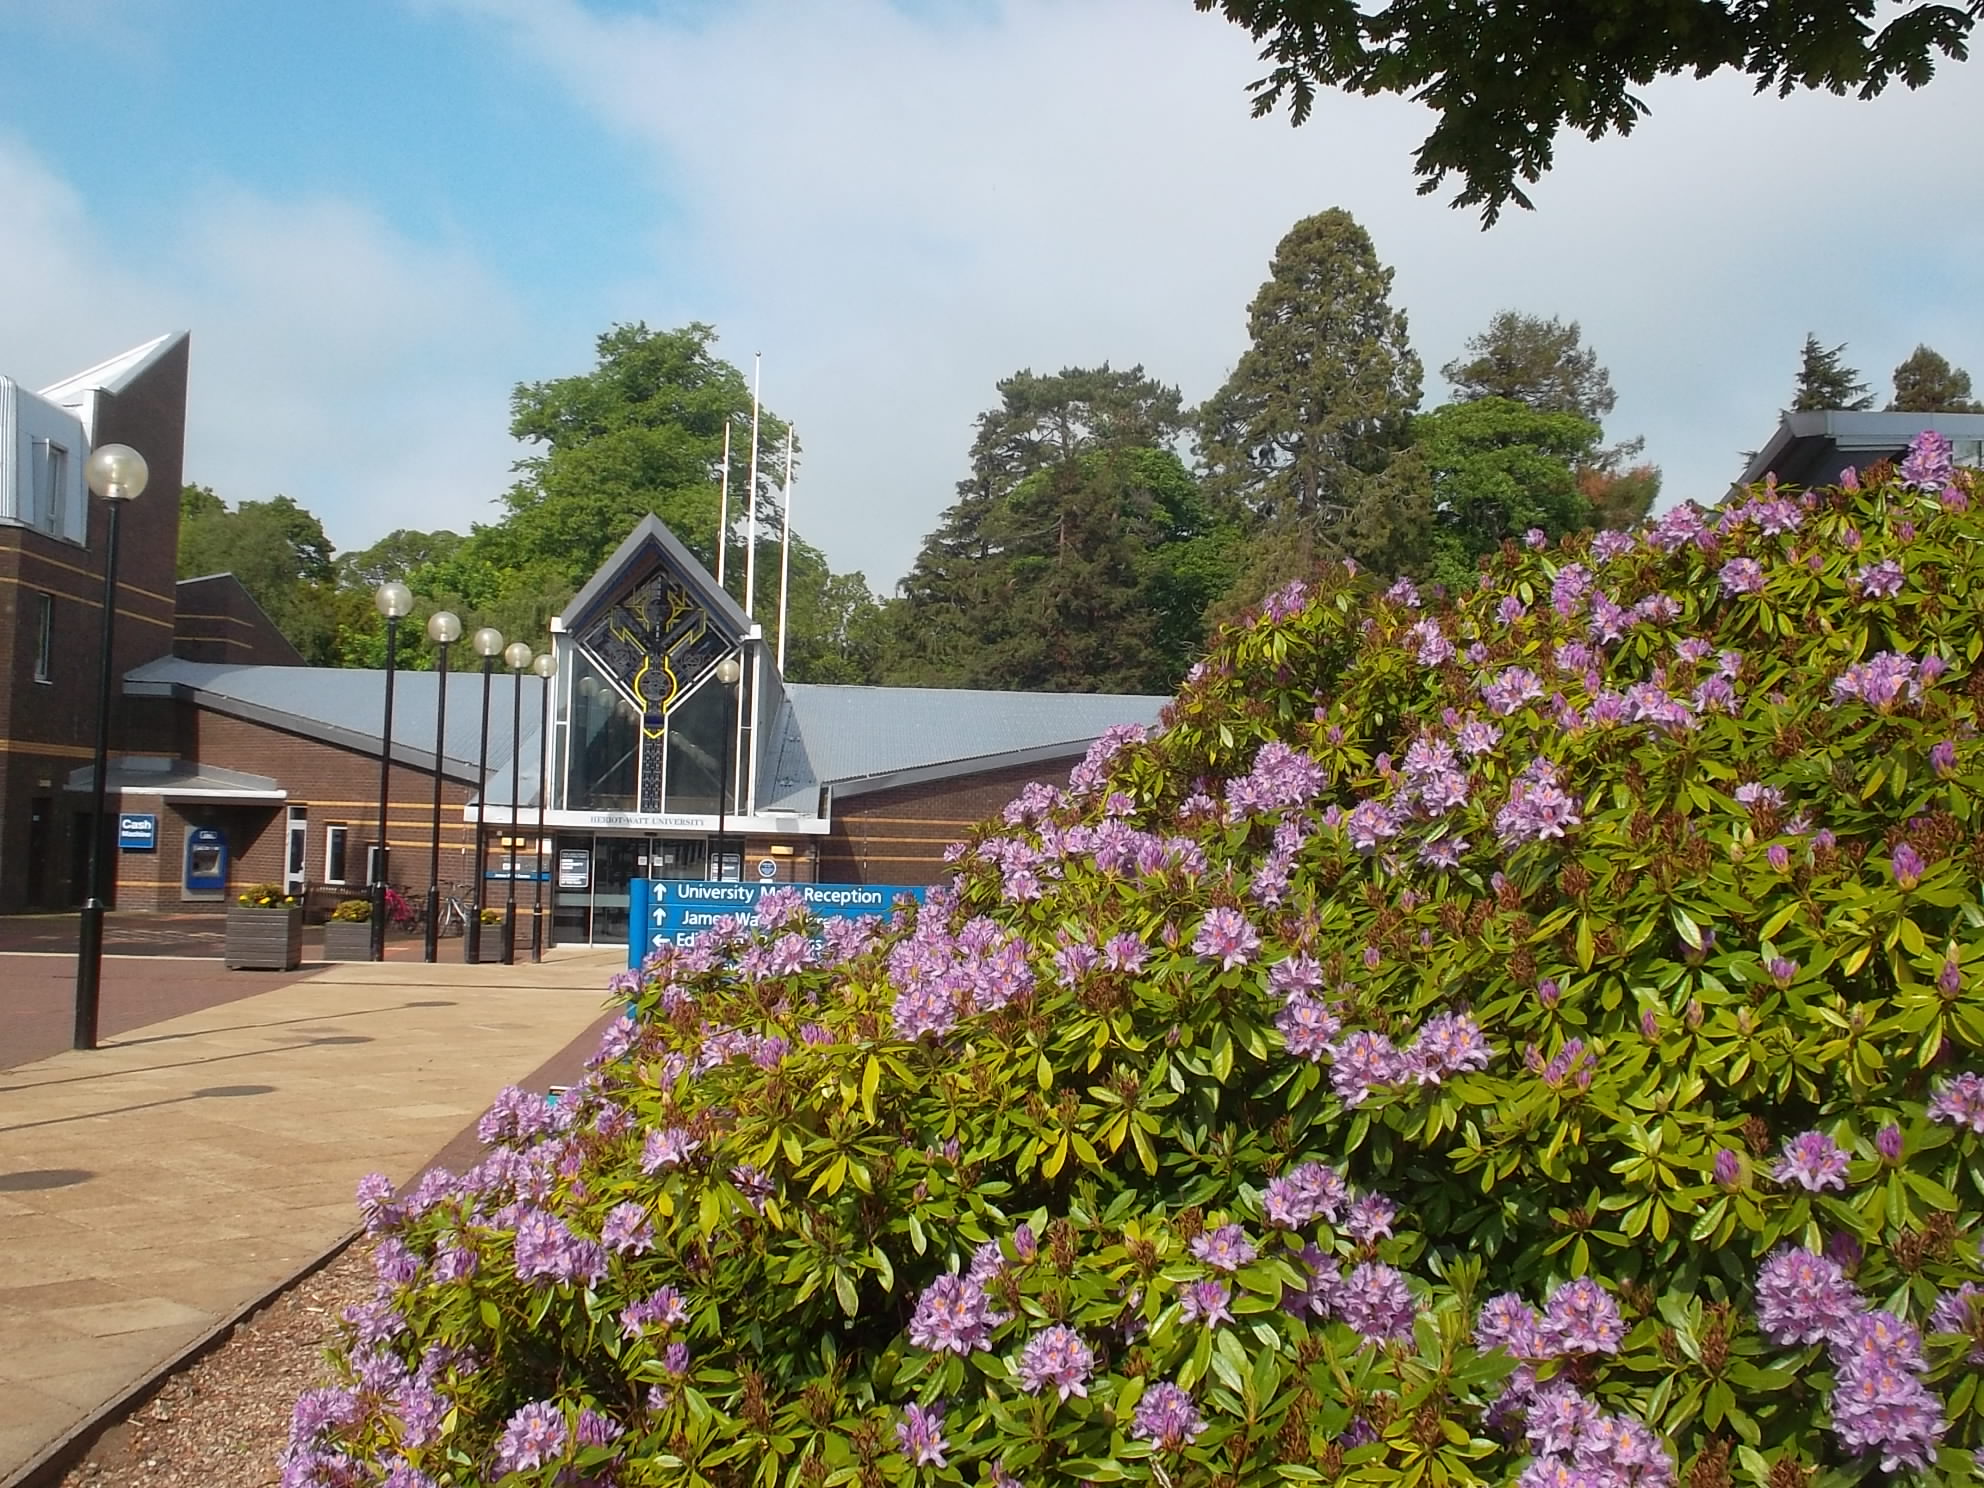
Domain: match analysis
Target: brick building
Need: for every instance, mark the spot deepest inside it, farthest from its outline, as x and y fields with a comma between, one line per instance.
x=232, y=763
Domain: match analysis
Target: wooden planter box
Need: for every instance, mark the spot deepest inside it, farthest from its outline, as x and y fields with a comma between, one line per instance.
x=492, y=946
x=264, y=939
x=347, y=940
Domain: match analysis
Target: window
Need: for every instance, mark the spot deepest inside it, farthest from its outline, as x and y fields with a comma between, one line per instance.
x=48, y=483
x=44, y=638
x=334, y=854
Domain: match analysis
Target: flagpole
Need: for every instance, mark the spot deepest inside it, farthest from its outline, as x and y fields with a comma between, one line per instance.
x=785, y=552
x=723, y=506
x=751, y=500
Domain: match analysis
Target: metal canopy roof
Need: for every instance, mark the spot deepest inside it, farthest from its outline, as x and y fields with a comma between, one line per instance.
x=1812, y=448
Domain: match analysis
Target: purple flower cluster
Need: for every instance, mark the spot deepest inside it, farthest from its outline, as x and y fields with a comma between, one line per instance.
x=1377, y=1304
x=1281, y=778
x=944, y=976
x=1579, y=1317
x=1579, y=1445
x=547, y=1250
x=1089, y=775
x=1055, y=1356
x=1881, y=681
x=1879, y=1402
x=1166, y=1416
x=1205, y=1302
x=1509, y=689
x=1960, y=1101
x=1224, y=1249
x=1930, y=464
x=1227, y=937
x=920, y=1435
x=534, y=1437
x=953, y=1316
x=1813, y=1161
x=1537, y=809
x=1304, y=1194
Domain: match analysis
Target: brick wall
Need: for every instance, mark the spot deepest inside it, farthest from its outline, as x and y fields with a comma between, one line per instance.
x=218, y=621
x=899, y=836
x=47, y=729
x=336, y=786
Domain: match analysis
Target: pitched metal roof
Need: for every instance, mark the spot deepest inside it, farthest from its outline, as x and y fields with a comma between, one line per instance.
x=346, y=706
x=651, y=540
x=858, y=739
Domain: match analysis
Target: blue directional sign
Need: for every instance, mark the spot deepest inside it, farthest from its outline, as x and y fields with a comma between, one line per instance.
x=679, y=909
x=137, y=831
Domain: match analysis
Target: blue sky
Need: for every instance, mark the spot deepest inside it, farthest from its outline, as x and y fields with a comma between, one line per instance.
x=376, y=217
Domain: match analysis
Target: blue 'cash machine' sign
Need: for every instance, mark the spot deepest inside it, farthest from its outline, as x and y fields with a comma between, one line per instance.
x=679, y=909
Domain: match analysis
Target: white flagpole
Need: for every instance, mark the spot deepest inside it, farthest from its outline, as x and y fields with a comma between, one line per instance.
x=723, y=506
x=785, y=552
x=751, y=500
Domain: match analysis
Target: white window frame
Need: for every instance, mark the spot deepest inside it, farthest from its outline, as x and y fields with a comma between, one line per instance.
x=44, y=640
x=48, y=469
x=337, y=844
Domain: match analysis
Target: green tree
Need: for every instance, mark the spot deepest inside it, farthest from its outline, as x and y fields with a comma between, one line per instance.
x=1927, y=383
x=1540, y=362
x=1080, y=554
x=1544, y=365
x=1504, y=81
x=641, y=432
x=280, y=554
x=1826, y=382
x=1499, y=468
x=1323, y=397
x=394, y=556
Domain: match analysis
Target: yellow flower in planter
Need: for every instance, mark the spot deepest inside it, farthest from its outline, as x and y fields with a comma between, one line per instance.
x=265, y=896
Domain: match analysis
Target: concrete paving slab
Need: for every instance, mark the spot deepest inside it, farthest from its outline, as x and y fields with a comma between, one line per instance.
x=153, y=1188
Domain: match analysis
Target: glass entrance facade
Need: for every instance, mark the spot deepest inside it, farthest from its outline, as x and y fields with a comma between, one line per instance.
x=589, y=906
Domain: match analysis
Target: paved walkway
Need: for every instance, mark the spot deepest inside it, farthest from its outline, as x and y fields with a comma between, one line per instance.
x=152, y=1188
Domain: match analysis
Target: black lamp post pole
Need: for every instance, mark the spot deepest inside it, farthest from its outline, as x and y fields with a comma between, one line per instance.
x=516, y=764
x=472, y=932
x=89, y=959
x=433, y=947
x=385, y=783
x=537, y=938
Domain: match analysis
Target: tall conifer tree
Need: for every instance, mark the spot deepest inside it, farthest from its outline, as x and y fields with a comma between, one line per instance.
x=1323, y=398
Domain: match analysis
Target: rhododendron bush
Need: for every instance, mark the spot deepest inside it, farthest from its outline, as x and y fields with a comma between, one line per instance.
x=1528, y=1037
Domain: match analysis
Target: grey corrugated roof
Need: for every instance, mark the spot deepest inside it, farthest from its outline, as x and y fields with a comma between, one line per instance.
x=850, y=735
x=345, y=705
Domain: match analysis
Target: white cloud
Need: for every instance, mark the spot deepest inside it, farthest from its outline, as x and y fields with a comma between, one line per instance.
x=334, y=359
x=902, y=209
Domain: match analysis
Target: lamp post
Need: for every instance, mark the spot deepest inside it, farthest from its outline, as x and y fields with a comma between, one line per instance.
x=117, y=473
x=517, y=656
x=546, y=667
x=393, y=600
x=444, y=628
x=488, y=643
x=727, y=673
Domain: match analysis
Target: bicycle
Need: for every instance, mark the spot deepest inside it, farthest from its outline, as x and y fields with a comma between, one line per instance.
x=454, y=916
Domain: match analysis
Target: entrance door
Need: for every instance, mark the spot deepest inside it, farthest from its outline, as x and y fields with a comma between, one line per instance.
x=616, y=862
x=299, y=844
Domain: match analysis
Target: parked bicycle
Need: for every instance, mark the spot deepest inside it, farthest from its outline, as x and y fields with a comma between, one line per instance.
x=454, y=916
